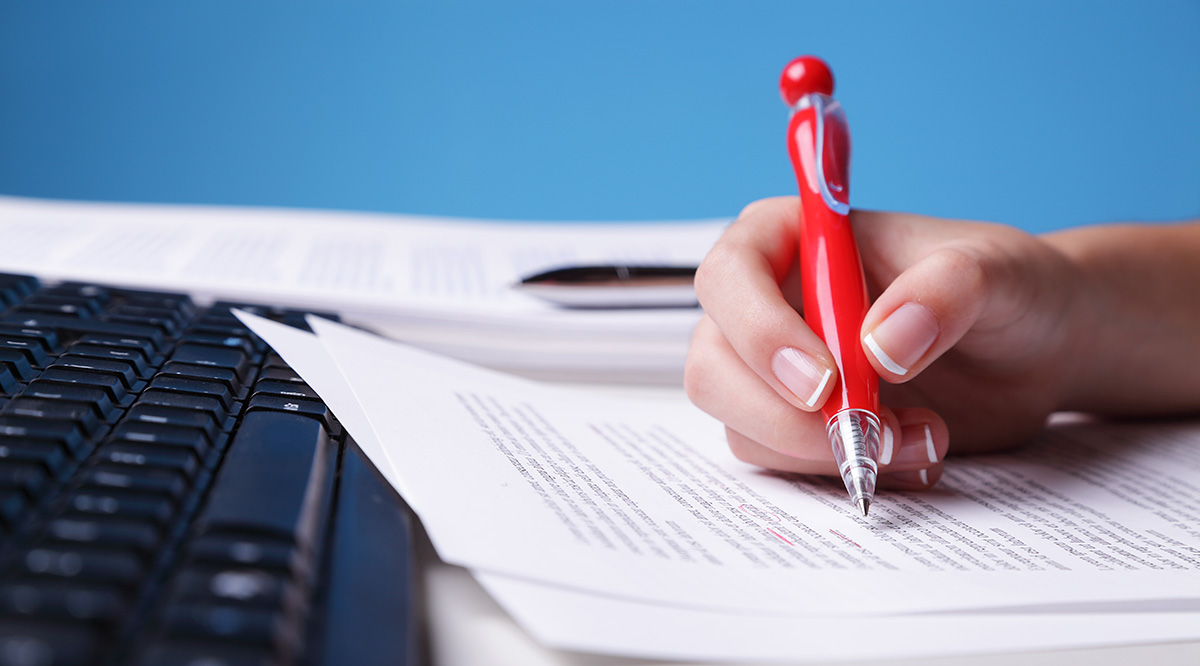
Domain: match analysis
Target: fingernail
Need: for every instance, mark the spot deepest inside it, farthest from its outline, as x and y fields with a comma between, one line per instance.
x=916, y=446
x=903, y=338
x=801, y=374
x=885, y=449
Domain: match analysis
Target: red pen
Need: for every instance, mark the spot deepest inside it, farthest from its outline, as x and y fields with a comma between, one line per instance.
x=834, y=289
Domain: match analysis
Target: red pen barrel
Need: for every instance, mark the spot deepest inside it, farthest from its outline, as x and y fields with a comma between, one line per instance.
x=834, y=289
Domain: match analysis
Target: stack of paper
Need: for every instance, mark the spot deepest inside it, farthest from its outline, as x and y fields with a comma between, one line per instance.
x=441, y=284
x=622, y=527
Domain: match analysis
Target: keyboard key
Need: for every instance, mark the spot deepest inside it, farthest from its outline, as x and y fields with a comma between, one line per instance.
x=239, y=342
x=53, y=306
x=370, y=607
x=164, y=324
x=209, y=404
x=194, y=440
x=207, y=325
x=174, y=416
x=67, y=433
x=33, y=349
x=18, y=363
x=121, y=341
x=32, y=643
x=280, y=374
x=15, y=287
x=68, y=601
x=168, y=300
x=249, y=587
x=97, y=397
x=216, y=390
x=100, y=502
x=46, y=336
x=287, y=404
x=123, y=370
x=285, y=389
x=8, y=381
x=110, y=383
x=49, y=454
x=206, y=372
x=221, y=357
x=273, y=479
x=79, y=290
x=134, y=357
x=104, y=531
x=229, y=623
x=260, y=553
x=83, y=414
x=181, y=459
x=83, y=563
x=66, y=301
x=170, y=318
x=122, y=477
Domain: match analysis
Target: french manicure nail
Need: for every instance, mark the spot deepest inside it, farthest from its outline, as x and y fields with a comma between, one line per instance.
x=903, y=337
x=916, y=446
x=885, y=452
x=801, y=374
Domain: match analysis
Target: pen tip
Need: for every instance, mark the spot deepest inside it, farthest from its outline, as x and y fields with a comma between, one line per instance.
x=863, y=505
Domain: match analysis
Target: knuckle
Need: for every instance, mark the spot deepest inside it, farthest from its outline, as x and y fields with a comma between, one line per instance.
x=714, y=272
x=754, y=209
x=971, y=266
x=760, y=207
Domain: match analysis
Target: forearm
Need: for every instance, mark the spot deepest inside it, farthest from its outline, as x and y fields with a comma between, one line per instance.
x=1137, y=318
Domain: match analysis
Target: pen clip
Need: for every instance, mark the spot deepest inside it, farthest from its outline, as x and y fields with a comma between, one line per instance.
x=833, y=152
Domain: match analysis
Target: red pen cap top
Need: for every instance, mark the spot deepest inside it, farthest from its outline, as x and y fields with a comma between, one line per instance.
x=805, y=75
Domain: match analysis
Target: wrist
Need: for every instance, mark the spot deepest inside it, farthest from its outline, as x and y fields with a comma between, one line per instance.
x=1086, y=339
x=1135, y=318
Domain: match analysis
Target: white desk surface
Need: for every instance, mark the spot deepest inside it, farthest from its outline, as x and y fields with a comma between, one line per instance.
x=466, y=627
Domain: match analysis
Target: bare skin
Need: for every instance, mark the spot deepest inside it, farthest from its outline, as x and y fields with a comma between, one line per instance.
x=994, y=330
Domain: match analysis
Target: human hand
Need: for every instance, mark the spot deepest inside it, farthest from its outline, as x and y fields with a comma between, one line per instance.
x=971, y=329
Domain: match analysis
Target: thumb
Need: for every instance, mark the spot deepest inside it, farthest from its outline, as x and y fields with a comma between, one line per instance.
x=926, y=310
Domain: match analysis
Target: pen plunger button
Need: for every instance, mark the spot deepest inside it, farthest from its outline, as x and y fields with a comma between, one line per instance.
x=803, y=76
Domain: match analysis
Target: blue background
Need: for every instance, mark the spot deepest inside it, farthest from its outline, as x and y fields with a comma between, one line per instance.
x=1038, y=114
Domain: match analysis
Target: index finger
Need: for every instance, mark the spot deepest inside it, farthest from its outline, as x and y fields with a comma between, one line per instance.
x=738, y=284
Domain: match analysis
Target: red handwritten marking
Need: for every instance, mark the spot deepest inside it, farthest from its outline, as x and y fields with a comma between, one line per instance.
x=845, y=538
x=780, y=536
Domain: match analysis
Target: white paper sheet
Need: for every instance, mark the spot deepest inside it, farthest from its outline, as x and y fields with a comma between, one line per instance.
x=575, y=620
x=571, y=620
x=398, y=265
x=440, y=283
x=644, y=503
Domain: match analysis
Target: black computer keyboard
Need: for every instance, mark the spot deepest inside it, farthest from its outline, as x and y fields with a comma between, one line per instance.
x=171, y=492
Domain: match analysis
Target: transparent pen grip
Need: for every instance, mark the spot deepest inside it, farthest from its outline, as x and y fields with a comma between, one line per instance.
x=854, y=435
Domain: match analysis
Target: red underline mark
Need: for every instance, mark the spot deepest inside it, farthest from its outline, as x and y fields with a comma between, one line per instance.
x=845, y=538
